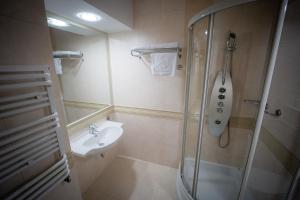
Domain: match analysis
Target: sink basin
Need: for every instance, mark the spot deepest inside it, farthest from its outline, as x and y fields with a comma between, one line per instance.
x=87, y=144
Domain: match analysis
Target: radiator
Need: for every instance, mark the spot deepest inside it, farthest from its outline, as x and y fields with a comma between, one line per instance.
x=23, y=146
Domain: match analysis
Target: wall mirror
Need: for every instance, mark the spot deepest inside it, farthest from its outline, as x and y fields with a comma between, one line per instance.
x=80, y=56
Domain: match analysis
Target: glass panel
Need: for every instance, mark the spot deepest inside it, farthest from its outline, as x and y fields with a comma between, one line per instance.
x=278, y=153
x=224, y=152
x=196, y=83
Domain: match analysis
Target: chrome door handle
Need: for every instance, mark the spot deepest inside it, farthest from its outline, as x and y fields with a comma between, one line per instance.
x=276, y=113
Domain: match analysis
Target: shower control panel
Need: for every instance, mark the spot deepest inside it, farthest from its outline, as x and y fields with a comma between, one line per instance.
x=220, y=105
x=221, y=96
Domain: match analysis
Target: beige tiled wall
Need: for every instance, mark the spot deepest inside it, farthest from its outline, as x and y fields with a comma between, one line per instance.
x=150, y=138
x=155, y=22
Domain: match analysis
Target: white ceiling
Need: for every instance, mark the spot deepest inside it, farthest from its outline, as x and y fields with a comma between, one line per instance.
x=67, y=9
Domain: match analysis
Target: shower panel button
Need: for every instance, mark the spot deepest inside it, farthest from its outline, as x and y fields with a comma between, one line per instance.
x=220, y=104
x=219, y=110
x=221, y=96
x=218, y=122
x=222, y=90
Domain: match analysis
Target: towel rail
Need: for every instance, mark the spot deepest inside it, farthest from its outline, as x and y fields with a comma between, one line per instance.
x=7, y=77
x=24, y=103
x=26, y=141
x=28, y=125
x=22, y=110
x=28, y=151
x=22, y=145
x=25, y=145
x=21, y=97
x=23, y=68
x=24, y=85
x=139, y=52
x=43, y=182
x=41, y=138
x=33, y=160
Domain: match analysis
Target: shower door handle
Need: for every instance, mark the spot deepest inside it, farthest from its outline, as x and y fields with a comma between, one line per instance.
x=276, y=113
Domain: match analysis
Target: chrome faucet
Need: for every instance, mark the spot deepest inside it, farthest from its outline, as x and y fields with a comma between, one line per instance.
x=93, y=129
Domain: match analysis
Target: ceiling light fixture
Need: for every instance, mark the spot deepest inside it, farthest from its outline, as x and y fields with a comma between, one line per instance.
x=57, y=22
x=87, y=16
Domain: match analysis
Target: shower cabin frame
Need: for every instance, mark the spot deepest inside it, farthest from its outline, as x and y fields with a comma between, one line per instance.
x=210, y=13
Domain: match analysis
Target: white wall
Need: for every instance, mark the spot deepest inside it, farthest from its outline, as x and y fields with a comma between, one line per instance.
x=122, y=10
x=86, y=80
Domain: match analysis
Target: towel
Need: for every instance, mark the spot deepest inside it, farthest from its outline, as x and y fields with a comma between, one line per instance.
x=57, y=64
x=164, y=64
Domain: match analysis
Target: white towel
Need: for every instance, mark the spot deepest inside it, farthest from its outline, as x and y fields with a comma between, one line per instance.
x=163, y=64
x=57, y=64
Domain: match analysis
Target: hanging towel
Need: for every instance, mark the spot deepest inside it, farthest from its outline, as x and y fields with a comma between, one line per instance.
x=57, y=64
x=164, y=64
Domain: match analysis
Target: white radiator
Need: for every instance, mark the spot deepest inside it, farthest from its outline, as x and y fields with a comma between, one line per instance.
x=43, y=183
x=23, y=146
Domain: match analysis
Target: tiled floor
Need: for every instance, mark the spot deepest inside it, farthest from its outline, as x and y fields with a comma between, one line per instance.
x=127, y=179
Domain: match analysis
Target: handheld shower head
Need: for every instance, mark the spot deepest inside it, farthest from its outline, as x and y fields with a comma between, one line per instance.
x=231, y=41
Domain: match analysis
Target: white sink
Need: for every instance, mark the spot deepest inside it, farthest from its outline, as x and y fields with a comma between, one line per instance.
x=108, y=133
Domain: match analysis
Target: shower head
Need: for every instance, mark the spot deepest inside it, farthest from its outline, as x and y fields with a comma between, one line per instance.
x=231, y=41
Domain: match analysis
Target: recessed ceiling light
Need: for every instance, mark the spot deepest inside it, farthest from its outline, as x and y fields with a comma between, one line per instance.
x=57, y=22
x=87, y=16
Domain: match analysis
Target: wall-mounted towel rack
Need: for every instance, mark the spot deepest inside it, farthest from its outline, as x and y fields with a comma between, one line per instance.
x=139, y=52
x=27, y=89
x=67, y=54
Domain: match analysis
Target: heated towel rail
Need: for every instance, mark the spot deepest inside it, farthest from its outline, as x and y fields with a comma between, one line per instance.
x=25, y=89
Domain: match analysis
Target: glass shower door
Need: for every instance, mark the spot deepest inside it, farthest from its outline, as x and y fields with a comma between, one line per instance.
x=193, y=102
x=274, y=171
x=223, y=159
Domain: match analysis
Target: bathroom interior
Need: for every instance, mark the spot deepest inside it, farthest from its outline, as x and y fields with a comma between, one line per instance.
x=150, y=100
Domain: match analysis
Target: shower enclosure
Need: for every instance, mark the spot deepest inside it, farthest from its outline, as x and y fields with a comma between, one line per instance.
x=221, y=167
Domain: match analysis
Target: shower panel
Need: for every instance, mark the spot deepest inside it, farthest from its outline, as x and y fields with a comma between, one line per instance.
x=221, y=96
x=216, y=94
